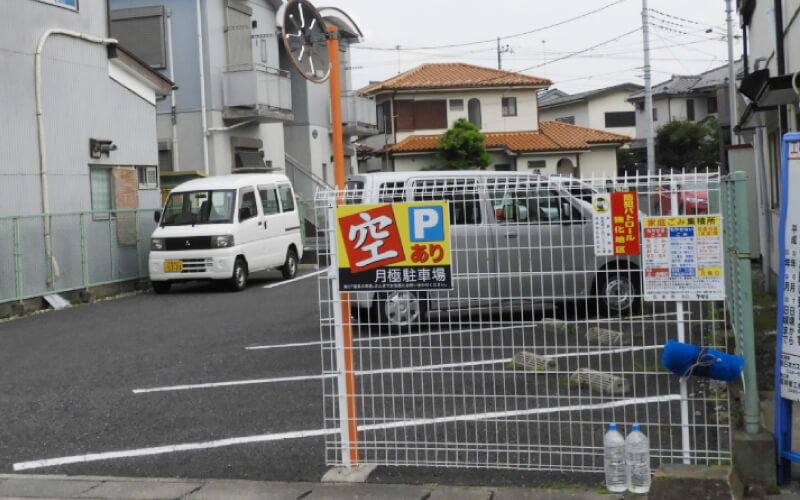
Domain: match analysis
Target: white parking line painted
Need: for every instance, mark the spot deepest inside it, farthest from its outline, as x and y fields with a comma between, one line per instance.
x=609, y=351
x=279, y=346
x=158, y=450
x=281, y=283
x=231, y=383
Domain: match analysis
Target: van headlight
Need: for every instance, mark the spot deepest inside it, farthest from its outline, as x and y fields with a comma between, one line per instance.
x=156, y=243
x=223, y=241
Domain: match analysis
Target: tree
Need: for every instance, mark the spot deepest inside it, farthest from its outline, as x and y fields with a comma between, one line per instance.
x=463, y=147
x=685, y=145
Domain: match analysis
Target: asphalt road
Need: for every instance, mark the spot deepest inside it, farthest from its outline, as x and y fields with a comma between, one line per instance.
x=67, y=380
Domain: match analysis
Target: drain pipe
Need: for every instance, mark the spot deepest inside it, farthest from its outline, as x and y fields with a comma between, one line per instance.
x=203, y=121
x=37, y=58
x=174, y=105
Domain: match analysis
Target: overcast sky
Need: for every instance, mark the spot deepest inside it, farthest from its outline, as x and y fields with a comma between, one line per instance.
x=679, y=41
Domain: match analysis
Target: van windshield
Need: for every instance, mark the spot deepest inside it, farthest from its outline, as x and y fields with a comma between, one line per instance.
x=199, y=207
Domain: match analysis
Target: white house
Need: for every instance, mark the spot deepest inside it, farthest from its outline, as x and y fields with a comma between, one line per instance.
x=771, y=62
x=605, y=109
x=416, y=107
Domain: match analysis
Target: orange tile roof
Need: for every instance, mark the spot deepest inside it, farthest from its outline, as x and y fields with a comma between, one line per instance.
x=455, y=76
x=551, y=136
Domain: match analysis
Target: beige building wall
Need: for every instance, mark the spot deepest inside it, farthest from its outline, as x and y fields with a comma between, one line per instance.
x=611, y=102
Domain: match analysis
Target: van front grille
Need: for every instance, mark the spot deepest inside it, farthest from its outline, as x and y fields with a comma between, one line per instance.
x=188, y=243
x=197, y=265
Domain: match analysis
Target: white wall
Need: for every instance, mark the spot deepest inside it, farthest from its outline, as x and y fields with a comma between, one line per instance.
x=491, y=110
x=579, y=110
x=601, y=161
x=611, y=102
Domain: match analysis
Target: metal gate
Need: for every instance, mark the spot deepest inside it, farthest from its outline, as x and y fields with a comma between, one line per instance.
x=544, y=337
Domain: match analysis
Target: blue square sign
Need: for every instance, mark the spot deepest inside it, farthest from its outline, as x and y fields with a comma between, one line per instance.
x=427, y=223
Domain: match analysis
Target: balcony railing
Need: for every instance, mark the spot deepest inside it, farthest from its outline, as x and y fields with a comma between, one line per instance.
x=358, y=114
x=256, y=91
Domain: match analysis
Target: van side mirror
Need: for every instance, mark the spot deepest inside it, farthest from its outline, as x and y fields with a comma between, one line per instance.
x=157, y=216
x=244, y=213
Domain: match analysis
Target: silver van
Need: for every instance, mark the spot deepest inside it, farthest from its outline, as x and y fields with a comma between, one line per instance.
x=519, y=241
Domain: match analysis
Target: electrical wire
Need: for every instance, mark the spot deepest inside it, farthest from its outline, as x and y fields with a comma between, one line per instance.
x=516, y=35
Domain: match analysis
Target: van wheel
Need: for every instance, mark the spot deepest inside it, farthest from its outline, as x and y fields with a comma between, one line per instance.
x=161, y=287
x=619, y=291
x=238, y=281
x=401, y=309
x=289, y=267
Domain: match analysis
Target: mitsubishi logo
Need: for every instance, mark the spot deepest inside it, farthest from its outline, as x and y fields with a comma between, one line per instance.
x=188, y=243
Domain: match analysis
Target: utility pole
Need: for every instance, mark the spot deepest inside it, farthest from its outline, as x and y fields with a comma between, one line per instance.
x=499, y=61
x=731, y=75
x=648, y=95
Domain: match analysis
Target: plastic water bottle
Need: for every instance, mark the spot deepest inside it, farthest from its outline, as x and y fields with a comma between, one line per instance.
x=614, y=446
x=637, y=458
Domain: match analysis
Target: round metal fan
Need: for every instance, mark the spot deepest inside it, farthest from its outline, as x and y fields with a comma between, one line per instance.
x=306, y=40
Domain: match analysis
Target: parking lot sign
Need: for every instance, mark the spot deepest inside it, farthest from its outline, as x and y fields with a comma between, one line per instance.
x=400, y=246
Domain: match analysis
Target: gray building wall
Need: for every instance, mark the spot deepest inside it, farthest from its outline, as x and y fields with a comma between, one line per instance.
x=80, y=101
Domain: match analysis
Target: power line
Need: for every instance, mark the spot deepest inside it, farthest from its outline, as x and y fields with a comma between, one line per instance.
x=535, y=30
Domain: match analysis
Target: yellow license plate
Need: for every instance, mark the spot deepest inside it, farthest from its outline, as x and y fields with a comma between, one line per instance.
x=173, y=266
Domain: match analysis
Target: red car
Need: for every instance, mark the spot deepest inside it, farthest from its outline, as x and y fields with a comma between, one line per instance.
x=692, y=197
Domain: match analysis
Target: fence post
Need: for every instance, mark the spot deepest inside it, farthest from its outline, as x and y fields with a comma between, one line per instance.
x=84, y=253
x=18, y=260
x=743, y=314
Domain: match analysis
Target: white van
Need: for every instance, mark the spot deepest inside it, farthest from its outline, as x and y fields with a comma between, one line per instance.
x=519, y=240
x=225, y=228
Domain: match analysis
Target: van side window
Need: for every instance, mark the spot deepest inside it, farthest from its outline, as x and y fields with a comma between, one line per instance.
x=248, y=200
x=462, y=193
x=287, y=200
x=269, y=200
x=392, y=192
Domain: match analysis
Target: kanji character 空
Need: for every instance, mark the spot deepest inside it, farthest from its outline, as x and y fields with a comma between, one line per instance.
x=376, y=230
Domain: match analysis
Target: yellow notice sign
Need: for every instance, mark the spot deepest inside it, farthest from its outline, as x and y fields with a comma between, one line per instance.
x=400, y=246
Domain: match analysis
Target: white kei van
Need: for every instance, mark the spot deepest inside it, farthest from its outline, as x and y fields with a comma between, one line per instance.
x=225, y=228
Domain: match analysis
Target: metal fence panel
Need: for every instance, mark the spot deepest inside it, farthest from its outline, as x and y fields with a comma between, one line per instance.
x=539, y=345
x=87, y=249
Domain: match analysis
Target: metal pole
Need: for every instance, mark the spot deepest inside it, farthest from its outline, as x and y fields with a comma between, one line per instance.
x=499, y=62
x=340, y=175
x=648, y=95
x=84, y=254
x=174, y=108
x=18, y=259
x=744, y=302
x=731, y=75
x=201, y=66
x=685, y=438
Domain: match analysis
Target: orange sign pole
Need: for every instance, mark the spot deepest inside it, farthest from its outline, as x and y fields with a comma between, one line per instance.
x=340, y=174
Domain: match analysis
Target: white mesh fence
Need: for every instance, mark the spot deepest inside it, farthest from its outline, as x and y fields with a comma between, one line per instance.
x=540, y=343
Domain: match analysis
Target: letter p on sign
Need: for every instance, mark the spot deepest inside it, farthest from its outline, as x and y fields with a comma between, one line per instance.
x=427, y=223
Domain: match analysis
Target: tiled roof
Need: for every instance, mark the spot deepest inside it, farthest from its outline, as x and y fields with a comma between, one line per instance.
x=551, y=136
x=688, y=84
x=455, y=76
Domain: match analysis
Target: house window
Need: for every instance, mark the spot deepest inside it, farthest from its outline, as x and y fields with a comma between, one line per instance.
x=238, y=31
x=287, y=200
x=248, y=159
x=690, y=109
x=456, y=104
x=655, y=114
x=101, y=184
x=384, y=117
x=69, y=4
x=538, y=165
x=711, y=104
x=503, y=167
x=474, y=112
x=566, y=119
x=509, y=106
x=148, y=177
x=620, y=119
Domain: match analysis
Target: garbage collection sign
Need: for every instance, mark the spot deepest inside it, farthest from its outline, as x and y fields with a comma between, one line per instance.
x=682, y=258
x=789, y=284
x=399, y=246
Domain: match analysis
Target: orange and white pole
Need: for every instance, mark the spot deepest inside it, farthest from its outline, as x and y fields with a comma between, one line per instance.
x=340, y=176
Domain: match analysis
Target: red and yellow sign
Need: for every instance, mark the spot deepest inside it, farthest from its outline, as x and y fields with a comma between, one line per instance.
x=402, y=246
x=625, y=223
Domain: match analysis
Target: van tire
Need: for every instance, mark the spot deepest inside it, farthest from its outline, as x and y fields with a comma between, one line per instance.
x=401, y=310
x=238, y=281
x=161, y=287
x=289, y=267
x=619, y=290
